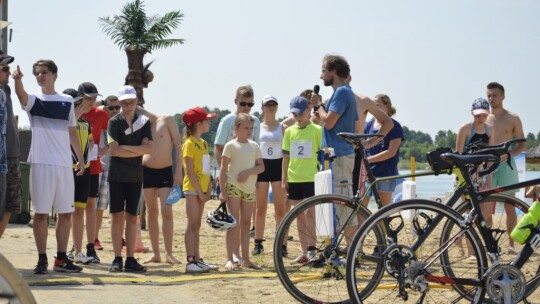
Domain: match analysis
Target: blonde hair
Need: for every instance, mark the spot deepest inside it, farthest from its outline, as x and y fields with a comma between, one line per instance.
x=388, y=103
x=241, y=118
x=244, y=91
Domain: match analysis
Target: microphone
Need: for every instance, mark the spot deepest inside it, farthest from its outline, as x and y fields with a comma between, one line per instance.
x=316, y=89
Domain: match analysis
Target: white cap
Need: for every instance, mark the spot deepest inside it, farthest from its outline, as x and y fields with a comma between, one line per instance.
x=268, y=98
x=126, y=92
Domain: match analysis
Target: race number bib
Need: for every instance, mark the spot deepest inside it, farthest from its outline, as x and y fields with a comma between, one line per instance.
x=271, y=150
x=206, y=164
x=301, y=149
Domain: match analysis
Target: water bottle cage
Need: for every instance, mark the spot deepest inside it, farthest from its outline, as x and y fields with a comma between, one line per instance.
x=419, y=230
x=394, y=232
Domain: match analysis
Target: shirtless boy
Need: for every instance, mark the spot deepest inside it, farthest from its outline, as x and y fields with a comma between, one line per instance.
x=158, y=180
x=506, y=126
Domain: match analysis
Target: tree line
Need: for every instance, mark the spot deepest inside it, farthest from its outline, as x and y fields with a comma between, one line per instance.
x=417, y=143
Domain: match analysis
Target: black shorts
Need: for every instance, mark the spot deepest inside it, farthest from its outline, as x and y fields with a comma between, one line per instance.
x=124, y=197
x=94, y=185
x=272, y=170
x=157, y=178
x=300, y=191
x=82, y=188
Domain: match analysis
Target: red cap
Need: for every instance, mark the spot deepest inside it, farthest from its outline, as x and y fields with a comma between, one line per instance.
x=196, y=114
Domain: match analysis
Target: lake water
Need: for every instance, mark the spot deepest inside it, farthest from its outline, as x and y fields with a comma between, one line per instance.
x=436, y=186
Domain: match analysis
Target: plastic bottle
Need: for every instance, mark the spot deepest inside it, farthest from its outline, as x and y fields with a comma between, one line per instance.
x=527, y=224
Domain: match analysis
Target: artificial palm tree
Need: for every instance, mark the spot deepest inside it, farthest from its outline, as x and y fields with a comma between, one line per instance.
x=139, y=34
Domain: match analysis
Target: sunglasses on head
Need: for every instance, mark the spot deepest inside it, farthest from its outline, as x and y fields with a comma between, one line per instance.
x=112, y=108
x=5, y=68
x=246, y=104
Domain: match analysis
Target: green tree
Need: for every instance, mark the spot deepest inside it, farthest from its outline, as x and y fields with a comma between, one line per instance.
x=446, y=139
x=531, y=140
x=139, y=34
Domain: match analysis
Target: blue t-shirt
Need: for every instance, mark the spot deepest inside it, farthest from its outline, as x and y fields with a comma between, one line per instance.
x=225, y=131
x=342, y=102
x=386, y=167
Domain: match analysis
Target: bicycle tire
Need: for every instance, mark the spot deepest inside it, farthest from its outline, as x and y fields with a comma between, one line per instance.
x=309, y=282
x=398, y=257
x=12, y=286
x=531, y=269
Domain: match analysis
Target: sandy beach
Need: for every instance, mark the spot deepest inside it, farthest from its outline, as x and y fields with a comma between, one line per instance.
x=163, y=283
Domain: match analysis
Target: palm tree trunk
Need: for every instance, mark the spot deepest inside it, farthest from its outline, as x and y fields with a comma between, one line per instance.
x=134, y=77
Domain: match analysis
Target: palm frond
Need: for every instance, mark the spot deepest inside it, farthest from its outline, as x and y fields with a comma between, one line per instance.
x=134, y=28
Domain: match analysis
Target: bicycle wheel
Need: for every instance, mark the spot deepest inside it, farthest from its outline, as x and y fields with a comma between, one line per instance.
x=12, y=287
x=415, y=273
x=318, y=277
x=502, y=214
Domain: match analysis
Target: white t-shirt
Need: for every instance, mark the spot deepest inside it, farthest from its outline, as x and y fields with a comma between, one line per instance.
x=50, y=118
x=242, y=156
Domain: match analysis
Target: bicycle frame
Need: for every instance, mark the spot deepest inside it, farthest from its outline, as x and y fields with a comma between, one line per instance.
x=476, y=217
x=359, y=197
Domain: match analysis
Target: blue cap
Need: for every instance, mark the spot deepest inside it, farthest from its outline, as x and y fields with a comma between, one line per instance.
x=298, y=105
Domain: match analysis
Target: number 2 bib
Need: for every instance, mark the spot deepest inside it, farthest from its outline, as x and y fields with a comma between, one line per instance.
x=301, y=149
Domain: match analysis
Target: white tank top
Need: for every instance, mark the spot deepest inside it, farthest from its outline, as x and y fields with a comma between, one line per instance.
x=270, y=142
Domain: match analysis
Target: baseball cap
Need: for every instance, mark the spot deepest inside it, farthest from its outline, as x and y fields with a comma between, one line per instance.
x=87, y=89
x=126, y=92
x=268, y=98
x=5, y=59
x=195, y=115
x=298, y=105
x=71, y=92
x=479, y=106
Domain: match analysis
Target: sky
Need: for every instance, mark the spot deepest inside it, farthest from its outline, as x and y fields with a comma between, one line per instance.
x=433, y=58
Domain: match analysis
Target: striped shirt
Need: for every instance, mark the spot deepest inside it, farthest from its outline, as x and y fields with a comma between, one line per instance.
x=50, y=118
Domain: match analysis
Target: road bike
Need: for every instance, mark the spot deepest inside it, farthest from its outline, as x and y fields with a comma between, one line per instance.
x=448, y=253
x=328, y=223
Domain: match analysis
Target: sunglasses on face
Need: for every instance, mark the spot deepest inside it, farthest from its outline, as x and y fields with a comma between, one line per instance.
x=5, y=68
x=246, y=104
x=113, y=108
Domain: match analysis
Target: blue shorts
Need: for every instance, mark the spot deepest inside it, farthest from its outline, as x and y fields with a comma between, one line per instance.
x=504, y=175
x=384, y=186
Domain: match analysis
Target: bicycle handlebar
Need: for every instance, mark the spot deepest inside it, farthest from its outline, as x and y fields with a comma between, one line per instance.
x=356, y=139
x=498, y=150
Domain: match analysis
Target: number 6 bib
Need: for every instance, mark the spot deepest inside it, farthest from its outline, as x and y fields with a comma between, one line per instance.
x=301, y=149
x=271, y=150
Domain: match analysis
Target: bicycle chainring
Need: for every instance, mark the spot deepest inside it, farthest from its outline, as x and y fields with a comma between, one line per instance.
x=397, y=257
x=505, y=284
